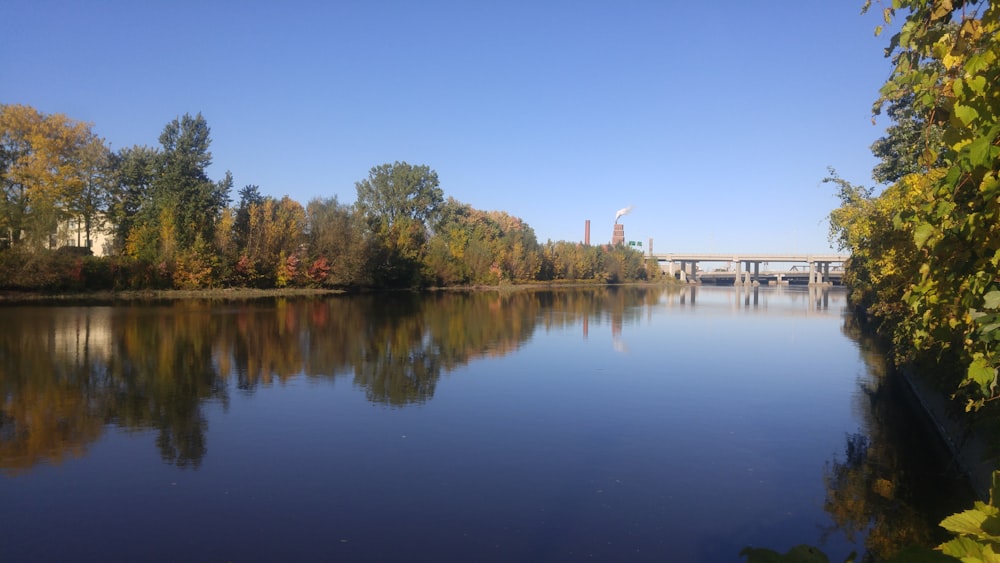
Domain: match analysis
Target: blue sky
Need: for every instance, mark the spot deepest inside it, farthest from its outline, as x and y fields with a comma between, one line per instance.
x=715, y=121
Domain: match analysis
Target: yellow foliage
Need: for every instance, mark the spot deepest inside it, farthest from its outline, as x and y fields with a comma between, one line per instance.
x=50, y=161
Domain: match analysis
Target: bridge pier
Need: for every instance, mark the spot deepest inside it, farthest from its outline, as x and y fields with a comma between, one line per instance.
x=819, y=271
x=747, y=277
x=689, y=271
x=686, y=275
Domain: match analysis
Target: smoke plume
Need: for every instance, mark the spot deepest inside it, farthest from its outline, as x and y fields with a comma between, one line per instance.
x=622, y=212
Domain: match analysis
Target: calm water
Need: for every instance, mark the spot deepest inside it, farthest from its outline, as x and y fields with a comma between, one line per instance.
x=615, y=423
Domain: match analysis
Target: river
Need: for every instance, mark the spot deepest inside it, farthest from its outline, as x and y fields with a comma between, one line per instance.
x=613, y=423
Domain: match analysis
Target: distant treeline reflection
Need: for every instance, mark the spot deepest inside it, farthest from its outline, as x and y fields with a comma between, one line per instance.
x=67, y=373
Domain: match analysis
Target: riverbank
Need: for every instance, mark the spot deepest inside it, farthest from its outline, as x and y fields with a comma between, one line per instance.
x=966, y=442
x=251, y=293
x=162, y=294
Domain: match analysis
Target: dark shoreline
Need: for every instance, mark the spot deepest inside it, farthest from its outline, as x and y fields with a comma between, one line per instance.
x=9, y=297
x=12, y=296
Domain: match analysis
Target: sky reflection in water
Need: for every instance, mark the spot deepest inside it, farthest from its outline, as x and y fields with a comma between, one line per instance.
x=617, y=423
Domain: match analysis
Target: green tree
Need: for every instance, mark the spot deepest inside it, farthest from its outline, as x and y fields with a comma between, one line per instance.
x=397, y=192
x=249, y=195
x=175, y=224
x=399, y=202
x=182, y=181
x=130, y=190
x=907, y=137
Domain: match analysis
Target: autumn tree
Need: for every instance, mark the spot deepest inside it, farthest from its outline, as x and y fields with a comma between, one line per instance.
x=947, y=57
x=926, y=252
x=276, y=231
x=481, y=247
x=338, y=245
x=90, y=204
x=49, y=169
x=176, y=223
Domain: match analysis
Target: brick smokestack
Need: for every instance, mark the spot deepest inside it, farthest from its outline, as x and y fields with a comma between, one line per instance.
x=619, y=235
x=586, y=233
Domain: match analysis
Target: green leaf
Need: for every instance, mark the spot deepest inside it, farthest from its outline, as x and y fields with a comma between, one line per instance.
x=992, y=299
x=977, y=84
x=990, y=556
x=962, y=547
x=921, y=233
x=981, y=152
x=984, y=375
x=991, y=527
x=929, y=157
x=966, y=114
x=990, y=328
x=977, y=63
x=967, y=522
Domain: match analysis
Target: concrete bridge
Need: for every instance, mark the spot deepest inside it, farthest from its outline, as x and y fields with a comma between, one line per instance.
x=816, y=269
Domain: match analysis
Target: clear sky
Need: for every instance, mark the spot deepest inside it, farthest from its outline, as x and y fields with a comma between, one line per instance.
x=716, y=121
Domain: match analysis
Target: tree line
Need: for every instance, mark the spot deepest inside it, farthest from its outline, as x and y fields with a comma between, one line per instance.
x=925, y=245
x=171, y=226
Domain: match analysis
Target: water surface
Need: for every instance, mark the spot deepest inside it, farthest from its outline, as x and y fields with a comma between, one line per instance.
x=669, y=424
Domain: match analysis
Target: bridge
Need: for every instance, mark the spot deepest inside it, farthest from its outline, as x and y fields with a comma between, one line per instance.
x=812, y=269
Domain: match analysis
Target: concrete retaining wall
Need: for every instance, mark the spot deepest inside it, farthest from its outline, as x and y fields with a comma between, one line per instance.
x=966, y=446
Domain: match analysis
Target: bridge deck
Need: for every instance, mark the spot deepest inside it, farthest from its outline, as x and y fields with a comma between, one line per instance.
x=750, y=257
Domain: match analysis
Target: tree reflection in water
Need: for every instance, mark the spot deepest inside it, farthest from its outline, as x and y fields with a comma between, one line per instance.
x=867, y=491
x=67, y=373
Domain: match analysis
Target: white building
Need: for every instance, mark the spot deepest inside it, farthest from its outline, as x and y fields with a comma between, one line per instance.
x=73, y=232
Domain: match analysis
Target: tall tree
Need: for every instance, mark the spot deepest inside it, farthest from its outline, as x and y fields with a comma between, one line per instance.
x=249, y=196
x=906, y=140
x=46, y=163
x=276, y=231
x=90, y=204
x=132, y=172
x=398, y=191
x=176, y=223
x=399, y=202
x=183, y=183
